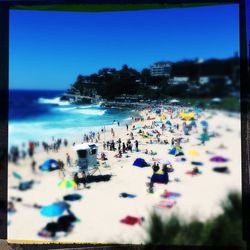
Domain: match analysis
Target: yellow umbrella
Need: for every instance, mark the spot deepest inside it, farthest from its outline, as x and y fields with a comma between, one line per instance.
x=193, y=153
x=187, y=116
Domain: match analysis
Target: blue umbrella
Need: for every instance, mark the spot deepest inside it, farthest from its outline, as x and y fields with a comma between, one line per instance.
x=204, y=123
x=53, y=210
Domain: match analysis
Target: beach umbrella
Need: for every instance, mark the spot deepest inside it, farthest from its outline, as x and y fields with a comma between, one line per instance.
x=204, y=123
x=72, y=197
x=218, y=159
x=193, y=153
x=67, y=184
x=187, y=116
x=17, y=175
x=55, y=209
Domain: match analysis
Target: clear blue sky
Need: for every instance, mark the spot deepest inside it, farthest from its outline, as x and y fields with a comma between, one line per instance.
x=48, y=50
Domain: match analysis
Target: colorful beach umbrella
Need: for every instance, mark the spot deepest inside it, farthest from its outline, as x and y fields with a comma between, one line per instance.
x=67, y=184
x=187, y=116
x=53, y=210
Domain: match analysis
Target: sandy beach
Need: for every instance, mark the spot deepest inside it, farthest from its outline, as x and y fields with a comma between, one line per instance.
x=101, y=208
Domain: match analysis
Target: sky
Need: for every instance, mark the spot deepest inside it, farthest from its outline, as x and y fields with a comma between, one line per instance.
x=49, y=49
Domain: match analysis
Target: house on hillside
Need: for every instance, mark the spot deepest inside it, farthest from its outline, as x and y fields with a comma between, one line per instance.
x=203, y=80
x=161, y=69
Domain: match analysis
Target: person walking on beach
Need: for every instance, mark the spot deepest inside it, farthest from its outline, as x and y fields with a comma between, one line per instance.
x=123, y=148
x=112, y=132
x=33, y=166
x=68, y=160
x=136, y=145
x=127, y=126
x=172, y=141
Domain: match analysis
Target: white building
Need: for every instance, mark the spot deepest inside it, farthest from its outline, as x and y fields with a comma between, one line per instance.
x=160, y=69
x=178, y=80
x=208, y=79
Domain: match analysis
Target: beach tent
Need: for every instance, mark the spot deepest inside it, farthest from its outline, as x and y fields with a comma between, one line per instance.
x=160, y=178
x=139, y=162
x=176, y=151
x=49, y=165
x=168, y=122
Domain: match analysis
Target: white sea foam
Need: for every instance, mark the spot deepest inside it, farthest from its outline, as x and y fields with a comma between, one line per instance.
x=90, y=111
x=55, y=100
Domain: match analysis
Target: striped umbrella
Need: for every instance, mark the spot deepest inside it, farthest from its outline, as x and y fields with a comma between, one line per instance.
x=67, y=184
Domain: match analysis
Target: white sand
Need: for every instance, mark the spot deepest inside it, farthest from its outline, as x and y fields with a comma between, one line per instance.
x=101, y=208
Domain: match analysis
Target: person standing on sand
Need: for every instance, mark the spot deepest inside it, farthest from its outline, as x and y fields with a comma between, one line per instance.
x=136, y=146
x=68, y=160
x=112, y=132
x=123, y=148
x=127, y=126
x=33, y=166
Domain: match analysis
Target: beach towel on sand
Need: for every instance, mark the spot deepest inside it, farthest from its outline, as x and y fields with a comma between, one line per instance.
x=192, y=173
x=131, y=220
x=126, y=195
x=221, y=170
x=170, y=195
x=166, y=204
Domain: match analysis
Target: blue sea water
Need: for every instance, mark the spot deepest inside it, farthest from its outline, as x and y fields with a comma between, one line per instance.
x=40, y=115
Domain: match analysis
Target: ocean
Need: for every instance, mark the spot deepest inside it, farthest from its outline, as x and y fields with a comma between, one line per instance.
x=40, y=115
